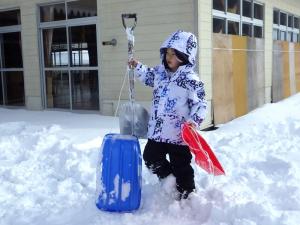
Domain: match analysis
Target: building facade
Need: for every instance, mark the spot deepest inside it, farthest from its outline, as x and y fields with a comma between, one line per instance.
x=52, y=54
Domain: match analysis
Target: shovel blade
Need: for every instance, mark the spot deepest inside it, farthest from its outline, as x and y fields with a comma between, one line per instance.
x=133, y=120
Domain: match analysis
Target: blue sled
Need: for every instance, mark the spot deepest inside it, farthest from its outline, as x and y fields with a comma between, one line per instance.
x=119, y=174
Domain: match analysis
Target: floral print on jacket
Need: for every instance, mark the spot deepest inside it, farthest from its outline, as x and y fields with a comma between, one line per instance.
x=178, y=96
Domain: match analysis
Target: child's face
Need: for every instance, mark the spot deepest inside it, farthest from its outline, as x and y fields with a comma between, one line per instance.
x=171, y=59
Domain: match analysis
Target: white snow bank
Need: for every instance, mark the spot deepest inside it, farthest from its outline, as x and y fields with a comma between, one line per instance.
x=48, y=172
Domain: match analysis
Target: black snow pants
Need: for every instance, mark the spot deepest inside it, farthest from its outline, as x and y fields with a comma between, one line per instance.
x=179, y=164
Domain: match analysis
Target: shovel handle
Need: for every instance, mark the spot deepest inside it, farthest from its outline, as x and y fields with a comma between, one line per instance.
x=129, y=16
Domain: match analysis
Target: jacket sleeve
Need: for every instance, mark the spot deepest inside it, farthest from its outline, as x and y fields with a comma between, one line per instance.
x=197, y=102
x=145, y=74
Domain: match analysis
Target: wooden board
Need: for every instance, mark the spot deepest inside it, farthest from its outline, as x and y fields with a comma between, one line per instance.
x=260, y=71
x=292, y=68
x=297, y=67
x=240, y=75
x=277, y=72
x=286, y=70
x=256, y=73
x=223, y=95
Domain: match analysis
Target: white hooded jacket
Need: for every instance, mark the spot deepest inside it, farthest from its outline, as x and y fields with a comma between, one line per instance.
x=177, y=98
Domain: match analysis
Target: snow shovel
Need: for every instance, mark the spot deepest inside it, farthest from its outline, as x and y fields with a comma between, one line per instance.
x=133, y=117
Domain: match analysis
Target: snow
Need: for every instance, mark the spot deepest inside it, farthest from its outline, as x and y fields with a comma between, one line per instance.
x=125, y=191
x=48, y=166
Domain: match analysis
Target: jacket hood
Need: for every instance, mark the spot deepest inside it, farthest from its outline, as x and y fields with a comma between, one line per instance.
x=182, y=41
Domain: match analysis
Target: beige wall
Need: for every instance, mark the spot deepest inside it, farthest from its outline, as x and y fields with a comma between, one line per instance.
x=156, y=20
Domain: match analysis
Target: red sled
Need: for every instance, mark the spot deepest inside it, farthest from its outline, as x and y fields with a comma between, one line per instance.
x=204, y=156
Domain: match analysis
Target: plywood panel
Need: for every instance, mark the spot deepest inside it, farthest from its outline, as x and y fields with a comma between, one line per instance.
x=277, y=72
x=297, y=67
x=240, y=75
x=223, y=95
x=256, y=73
x=260, y=71
x=286, y=70
x=292, y=68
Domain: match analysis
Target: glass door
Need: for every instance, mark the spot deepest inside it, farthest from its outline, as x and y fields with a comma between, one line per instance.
x=70, y=63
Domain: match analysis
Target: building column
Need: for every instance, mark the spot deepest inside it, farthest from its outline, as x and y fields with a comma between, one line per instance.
x=204, y=34
x=268, y=26
x=30, y=51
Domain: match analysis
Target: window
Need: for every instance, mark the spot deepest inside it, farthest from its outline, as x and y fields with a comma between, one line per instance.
x=247, y=29
x=276, y=17
x=296, y=37
x=88, y=7
x=1, y=91
x=275, y=34
x=285, y=26
x=283, y=19
x=247, y=9
x=258, y=31
x=233, y=28
x=14, y=88
x=219, y=25
x=233, y=6
x=10, y=18
x=229, y=19
x=51, y=13
x=296, y=22
x=282, y=35
x=219, y=5
x=79, y=81
x=58, y=89
x=290, y=36
x=70, y=55
x=290, y=21
x=12, y=53
x=83, y=45
x=11, y=60
x=55, y=47
x=258, y=11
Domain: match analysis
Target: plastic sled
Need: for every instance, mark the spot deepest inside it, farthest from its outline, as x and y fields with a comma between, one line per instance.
x=204, y=155
x=119, y=174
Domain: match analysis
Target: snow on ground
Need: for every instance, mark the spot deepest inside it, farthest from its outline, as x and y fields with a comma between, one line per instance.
x=48, y=172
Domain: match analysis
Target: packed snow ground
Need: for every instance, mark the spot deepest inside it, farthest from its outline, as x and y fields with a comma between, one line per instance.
x=48, y=172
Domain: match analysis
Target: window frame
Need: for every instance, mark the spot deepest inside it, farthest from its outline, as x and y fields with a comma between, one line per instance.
x=240, y=18
x=67, y=24
x=222, y=18
x=286, y=29
x=251, y=12
x=251, y=27
x=263, y=15
x=6, y=30
x=11, y=9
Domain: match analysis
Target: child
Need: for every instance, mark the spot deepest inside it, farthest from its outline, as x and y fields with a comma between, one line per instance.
x=178, y=97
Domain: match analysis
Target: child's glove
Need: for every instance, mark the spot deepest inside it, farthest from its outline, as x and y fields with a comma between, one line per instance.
x=132, y=63
x=192, y=123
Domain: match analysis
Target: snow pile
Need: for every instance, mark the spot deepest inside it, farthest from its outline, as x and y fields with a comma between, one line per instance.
x=48, y=172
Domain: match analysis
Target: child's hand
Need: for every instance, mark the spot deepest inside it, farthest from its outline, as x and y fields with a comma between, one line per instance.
x=132, y=63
